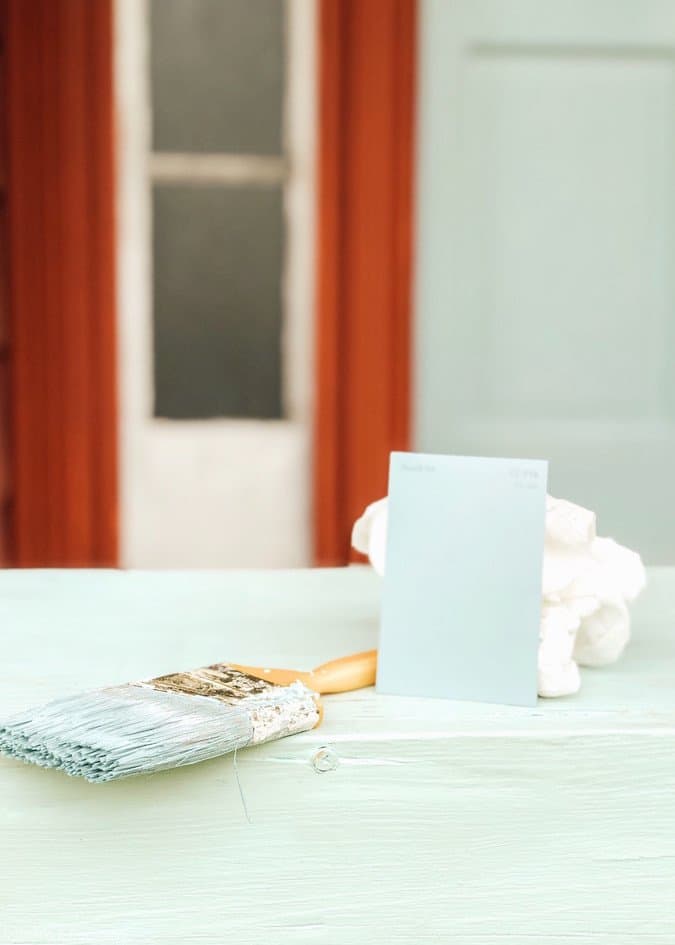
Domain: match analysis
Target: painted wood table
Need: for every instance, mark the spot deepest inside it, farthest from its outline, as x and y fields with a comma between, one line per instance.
x=399, y=821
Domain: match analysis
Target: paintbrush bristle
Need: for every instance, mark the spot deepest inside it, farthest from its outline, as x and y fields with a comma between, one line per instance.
x=170, y=721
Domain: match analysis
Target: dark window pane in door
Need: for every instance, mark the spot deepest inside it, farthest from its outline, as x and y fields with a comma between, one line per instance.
x=217, y=75
x=217, y=301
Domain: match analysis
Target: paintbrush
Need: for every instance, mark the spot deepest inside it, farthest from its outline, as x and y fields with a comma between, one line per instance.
x=179, y=719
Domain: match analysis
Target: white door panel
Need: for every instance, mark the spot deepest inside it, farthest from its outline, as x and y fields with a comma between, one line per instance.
x=218, y=492
x=546, y=253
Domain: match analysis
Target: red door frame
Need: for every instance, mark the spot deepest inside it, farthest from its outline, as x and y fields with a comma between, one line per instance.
x=5, y=474
x=60, y=199
x=366, y=132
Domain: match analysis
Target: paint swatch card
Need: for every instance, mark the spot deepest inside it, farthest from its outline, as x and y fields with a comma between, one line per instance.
x=462, y=587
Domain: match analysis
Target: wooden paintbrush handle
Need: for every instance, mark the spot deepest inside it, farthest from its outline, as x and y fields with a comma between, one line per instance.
x=342, y=675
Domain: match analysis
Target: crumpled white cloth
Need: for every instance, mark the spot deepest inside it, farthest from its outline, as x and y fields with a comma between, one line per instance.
x=587, y=583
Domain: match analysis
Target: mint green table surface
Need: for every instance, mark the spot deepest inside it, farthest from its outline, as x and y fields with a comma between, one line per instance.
x=436, y=821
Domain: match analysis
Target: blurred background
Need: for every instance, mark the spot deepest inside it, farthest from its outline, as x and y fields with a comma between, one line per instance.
x=251, y=246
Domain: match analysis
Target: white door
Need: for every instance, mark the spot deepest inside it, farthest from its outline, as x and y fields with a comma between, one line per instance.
x=215, y=221
x=546, y=248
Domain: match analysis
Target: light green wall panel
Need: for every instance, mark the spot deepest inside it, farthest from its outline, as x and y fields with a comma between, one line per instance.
x=545, y=306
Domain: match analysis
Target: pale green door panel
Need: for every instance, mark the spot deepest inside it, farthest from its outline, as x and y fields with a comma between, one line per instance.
x=545, y=300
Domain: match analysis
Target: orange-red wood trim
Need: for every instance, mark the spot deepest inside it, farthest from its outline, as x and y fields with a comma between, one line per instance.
x=61, y=260
x=366, y=121
x=5, y=476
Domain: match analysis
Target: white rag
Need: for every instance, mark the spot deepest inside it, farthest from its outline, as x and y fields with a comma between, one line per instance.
x=587, y=583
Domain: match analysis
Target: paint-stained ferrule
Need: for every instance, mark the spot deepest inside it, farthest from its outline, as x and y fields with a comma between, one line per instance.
x=274, y=711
